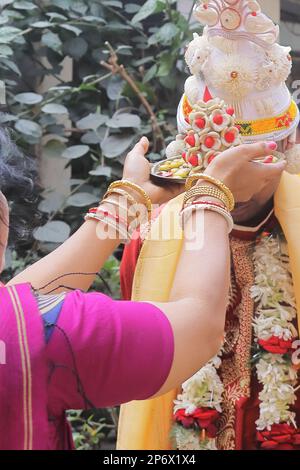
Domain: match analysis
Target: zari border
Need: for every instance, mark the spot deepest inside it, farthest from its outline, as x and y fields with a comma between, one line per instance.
x=26, y=367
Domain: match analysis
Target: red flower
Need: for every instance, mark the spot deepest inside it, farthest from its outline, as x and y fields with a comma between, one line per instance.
x=276, y=345
x=281, y=437
x=187, y=421
x=203, y=418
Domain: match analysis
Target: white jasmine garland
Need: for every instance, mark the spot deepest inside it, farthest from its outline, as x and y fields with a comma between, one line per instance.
x=273, y=291
x=276, y=309
x=203, y=390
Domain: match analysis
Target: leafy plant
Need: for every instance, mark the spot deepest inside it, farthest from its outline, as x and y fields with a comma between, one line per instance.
x=94, y=119
x=91, y=431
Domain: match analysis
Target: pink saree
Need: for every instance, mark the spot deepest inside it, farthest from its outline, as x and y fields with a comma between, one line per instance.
x=95, y=353
x=23, y=398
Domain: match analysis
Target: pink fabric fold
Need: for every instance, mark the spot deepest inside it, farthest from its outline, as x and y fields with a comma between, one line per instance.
x=23, y=396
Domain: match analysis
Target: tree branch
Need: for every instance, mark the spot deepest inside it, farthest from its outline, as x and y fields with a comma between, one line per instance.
x=115, y=68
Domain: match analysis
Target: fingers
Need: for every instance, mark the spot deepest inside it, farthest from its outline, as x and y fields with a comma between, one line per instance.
x=271, y=170
x=250, y=152
x=141, y=148
x=145, y=143
x=258, y=150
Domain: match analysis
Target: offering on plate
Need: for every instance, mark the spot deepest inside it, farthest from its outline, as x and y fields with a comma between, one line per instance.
x=211, y=131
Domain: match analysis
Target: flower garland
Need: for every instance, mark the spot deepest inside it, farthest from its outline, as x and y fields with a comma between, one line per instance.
x=275, y=334
x=197, y=409
x=199, y=406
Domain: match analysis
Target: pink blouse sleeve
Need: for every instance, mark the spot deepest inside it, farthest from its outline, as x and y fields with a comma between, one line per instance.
x=104, y=352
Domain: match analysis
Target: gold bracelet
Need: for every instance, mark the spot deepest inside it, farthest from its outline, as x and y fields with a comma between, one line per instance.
x=219, y=184
x=206, y=191
x=136, y=188
x=120, y=192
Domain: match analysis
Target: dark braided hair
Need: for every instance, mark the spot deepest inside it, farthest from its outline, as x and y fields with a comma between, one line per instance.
x=18, y=177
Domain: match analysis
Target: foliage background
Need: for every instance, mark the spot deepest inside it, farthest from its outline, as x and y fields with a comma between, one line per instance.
x=92, y=120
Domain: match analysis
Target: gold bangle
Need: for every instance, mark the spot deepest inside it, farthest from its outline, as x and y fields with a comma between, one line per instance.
x=120, y=192
x=207, y=191
x=219, y=184
x=136, y=188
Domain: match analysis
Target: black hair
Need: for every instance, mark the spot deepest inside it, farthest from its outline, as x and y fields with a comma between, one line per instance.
x=18, y=183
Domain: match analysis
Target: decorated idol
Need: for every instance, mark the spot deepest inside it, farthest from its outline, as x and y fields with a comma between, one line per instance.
x=248, y=396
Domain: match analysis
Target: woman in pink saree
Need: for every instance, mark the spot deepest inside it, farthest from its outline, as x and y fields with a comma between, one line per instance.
x=73, y=350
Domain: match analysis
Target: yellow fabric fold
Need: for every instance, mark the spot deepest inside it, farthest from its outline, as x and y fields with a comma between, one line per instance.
x=287, y=210
x=146, y=425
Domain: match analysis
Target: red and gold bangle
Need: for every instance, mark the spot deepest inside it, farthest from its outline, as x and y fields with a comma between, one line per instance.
x=93, y=210
x=108, y=214
x=207, y=203
x=112, y=220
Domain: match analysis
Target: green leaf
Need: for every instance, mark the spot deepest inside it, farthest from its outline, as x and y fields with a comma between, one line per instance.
x=150, y=73
x=120, y=120
x=92, y=121
x=28, y=98
x=5, y=117
x=164, y=35
x=112, y=3
x=5, y=50
x=132, y=8
x=24, y=5
x=41, y=24
x=11, y=66
x=94, y=19
x=75, y=151
x=54, y=108
x=71, y=28
x=76, y=48
x=115, y=145
x=4, y=3
x=79, y=7
x=91, y=138
x=56, y=16
x=115, y=88
x=53, y=232
x=29, y=128
x=63, y=4
x=8, y=34
x=101, y=171
x=3, y=20
x=82, y=200
x=165, y=65
x=52, y=41
x=150, y=7
x=51, y=203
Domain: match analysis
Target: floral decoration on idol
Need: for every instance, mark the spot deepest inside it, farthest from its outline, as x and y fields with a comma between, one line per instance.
x=211, y=130
x=275, y=336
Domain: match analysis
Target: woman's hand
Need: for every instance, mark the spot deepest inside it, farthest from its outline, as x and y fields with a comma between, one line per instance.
x=237, y=168
x=137, y=170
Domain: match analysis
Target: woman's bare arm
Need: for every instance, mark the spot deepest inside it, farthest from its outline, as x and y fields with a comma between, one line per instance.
x=199, y=296
x=85, y=252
